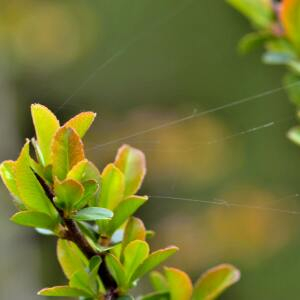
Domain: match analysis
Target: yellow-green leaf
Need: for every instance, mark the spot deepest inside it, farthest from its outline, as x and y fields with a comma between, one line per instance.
x=112, y=188
x=30, y=190
x=33, y=219
x=134, y=230
x=67, y=151
x=154, y=260
x=70, y=257
x=124, y=210
x=132, y=163
x=62, y=291
x=46, y=125
x=180, y=284
x=84, y=171
x=290, y=12
x=7, y=172
x=134, y=255
x=158, y=282
x=81, y=122
x=212, y=283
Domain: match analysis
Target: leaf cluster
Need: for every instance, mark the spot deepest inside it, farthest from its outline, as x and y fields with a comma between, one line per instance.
x=102, y=248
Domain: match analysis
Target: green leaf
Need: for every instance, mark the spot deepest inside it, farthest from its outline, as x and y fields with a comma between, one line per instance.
x=125, y=209
x=81, y=122
x=154, y=260
x=33, y=219
x=289, y=14
x=135, y=230
x=132, y=163
x=91, y=188
x=70, y=257
x=294, y=135
x=67, y=151
x=113, y=187
x=62, y=291
x=46, y=125
x=276, y=58
x=8, y=174
x=180, y=284
x=84, y=171
x=93, y=214
x=116, y=270
x=158, y=282
x=81, y=280
x=260, y=12
x=68, y=193
x=134, y=255
x=30, y=190
x=215, y=281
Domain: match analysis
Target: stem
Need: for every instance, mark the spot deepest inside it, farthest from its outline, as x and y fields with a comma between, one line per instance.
x=74, y=234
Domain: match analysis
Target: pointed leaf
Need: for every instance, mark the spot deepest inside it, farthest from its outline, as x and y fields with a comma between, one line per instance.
x=81, y=122
x=93, y=214
x=46, y=125
x=132, y=163
x=68, y=193
x=33, y=219
x=62, y=291
x=134, y=255
x=30, y=190
x=154, y=260
x=180, y=284
x=70, y=257
x=125, y=209
x=215, y=281
x=80, y=280
x=113, y=187
x=67, y=151
x=116, y=270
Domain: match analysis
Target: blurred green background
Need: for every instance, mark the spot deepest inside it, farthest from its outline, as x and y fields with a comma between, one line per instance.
x=140, y=64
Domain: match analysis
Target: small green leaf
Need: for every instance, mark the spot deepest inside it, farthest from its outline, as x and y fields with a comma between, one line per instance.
x=81, y=280
x=132, y=163
x=33, y=219
x=81, y=122
x=46, y=125
x=134, y=255
x=93, y=214
x=67, y=151
x=154, y=260
x=113, y=187
x=68, y=193
x=116, y=270
x=158, y=282
x=251, y=41
x=30, y=190
x=91, y=188
x=8, y=174
x=212, y=283
x=62, y=291
x=70, y=257
x=294, y=135
x=135, y=230
x=125, y=209
x=180, y=284
x=84, y=171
